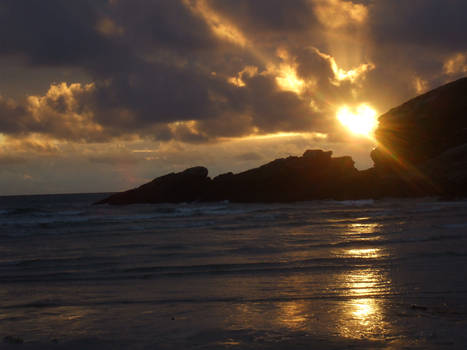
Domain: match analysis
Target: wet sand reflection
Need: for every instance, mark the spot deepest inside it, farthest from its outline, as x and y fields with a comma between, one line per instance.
x=347, y=299
x=363, y=314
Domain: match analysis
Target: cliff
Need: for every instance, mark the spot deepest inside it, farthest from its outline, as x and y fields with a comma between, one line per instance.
x=422, y=151
x=423, y=142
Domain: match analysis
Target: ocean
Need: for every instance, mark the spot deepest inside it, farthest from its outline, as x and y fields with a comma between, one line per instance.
x=383, y=274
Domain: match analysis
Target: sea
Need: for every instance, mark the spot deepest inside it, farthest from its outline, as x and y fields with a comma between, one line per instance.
x=368, y=274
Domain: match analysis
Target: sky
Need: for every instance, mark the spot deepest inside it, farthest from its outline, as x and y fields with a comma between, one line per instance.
x=105, y=95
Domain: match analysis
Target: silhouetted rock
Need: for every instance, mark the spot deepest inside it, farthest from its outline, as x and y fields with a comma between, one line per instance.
x=315, y=175
x=186, y=186
x=421, y=143
x=449, y=171
x=422, y=151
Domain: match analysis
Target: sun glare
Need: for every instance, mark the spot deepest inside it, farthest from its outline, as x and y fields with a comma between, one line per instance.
x=361, y=120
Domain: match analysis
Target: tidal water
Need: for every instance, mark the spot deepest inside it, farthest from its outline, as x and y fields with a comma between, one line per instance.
x=384, y=274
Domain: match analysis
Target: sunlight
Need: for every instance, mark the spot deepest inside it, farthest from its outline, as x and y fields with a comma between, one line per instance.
x=364, y=308
x=292, y=314
x=365, y=253
x=361, y=121
x=364, y=314
x=219, y=25
x=341, y=74
x=316, y=136
x=288, y=79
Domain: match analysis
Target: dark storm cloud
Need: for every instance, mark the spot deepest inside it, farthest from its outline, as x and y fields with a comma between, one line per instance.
x=432, y=24
x=268, y=15
x=50, y=32
x=165, y=24
x=152, y=63
x=156, y=63
x=12, y=117
x=414, y=39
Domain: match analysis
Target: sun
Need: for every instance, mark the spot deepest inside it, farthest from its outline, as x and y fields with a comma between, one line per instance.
x=361, y=120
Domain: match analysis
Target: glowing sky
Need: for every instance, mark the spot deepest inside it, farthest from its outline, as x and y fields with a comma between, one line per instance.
x=102, y=95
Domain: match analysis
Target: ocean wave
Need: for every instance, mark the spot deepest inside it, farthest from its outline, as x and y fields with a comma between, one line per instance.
x=356, y=203
x=107, y=269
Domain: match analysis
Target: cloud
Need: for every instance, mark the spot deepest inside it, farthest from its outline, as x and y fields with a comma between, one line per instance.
x=336, y=13
x=31, y=145
x=199, y=71
x=114, y=159
x=455, y=64
x=64, y=112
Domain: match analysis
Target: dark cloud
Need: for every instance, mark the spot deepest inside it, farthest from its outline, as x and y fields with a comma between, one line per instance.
x=159, y=70
x=429, y=24
x=13, y=117
x=51, y=32
x=162, y=24
x=268, y=15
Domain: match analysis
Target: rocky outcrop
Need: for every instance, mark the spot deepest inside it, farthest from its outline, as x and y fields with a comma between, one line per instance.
x=421, y=142
x=186, y=186
x=449, y=171
x=422, y=150
x=423, y=127
x=315, y=175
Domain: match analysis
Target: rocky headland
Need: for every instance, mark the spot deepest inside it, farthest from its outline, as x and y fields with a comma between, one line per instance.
x=422, y=151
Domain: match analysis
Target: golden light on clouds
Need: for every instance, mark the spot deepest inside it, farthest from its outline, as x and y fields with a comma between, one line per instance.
x=187, y=127
x=218, y=25
x=31, y=144
x=248, y=71
x=108, y=27
x=341, y=74
x=456, y=64
x=338, y=13
x=314, y=135
x=420, y=85
x=60, y=108
x=285, y=73
x=361, y=120
x=288, y=80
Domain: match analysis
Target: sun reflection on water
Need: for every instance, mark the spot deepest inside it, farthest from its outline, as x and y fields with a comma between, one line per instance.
x=363, y=313
x=363, y=228
x=364, y=253
x=292, y=314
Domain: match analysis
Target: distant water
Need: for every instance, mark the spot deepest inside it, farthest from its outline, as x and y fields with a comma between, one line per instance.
x=312, y=275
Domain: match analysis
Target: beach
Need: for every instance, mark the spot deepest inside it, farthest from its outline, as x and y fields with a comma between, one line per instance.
x=383, y=274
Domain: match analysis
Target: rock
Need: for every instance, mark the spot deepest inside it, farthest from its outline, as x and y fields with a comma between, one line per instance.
x=186, y=186
x=449, y=170
x=423, y=127
x=422, y=151
x=317, y=154
x=315, y=175
x=418, y=152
